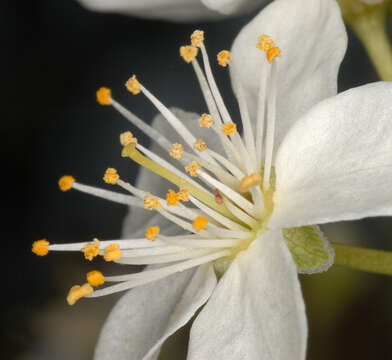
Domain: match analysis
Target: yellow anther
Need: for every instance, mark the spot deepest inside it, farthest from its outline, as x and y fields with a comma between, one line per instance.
x=264, y=43
x=273, y=53
x=65, y=182
x=200, y=145
x=111, y=176
x=127, y=138
x=112, y=252
x=183, y=194
x=172, y=198
x=90, y=251
x=249, y=181
x=133, y=85
x=229, y=128
x=152, y=232
x=224, y=58
x=176, y=151
x=200, y=223
x=104, y=96
x=206, y=120
x=77, y=292
x=188, y=53
x=197, y=38
x=152, y=203
x=95, y=278
x=40, y=247
x=192, y=168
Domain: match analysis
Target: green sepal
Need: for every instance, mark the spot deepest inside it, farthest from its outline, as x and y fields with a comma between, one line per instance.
x=310, y=249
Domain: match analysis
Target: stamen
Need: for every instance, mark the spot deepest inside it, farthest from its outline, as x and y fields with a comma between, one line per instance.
x=188, y=53
x=229, y=128
x=193, y=168
x=90, y=251
x=133, y=85
x=111, y=176
x=224, y=57
x=206, y=120
x=95, y=278
x=240, y=214
x=200, y=243
x=183, y=195
x=265, y=43
x=77, y=292
x=176, y=151
x=200, y=223
x=40, y=247
x=104, y=96
x=112, y=252
x=197, y=38
x=227, y=164
x=152, y=203
x=273, y=53
x=65, y=182
x=200, y=145
x=152, y=232
x=127, y=138
x=249, y=181
x=172, y=198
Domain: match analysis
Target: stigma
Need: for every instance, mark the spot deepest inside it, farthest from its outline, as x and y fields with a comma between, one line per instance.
x=220, y=200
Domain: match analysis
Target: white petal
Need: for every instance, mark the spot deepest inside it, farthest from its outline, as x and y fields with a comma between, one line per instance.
x=312, y=39
x=228, y=7
x=336, y=162
x=175, y=10
x=257, y=311
x=147, y=315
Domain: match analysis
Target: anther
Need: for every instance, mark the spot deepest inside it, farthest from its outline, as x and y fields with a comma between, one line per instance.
x=197, y=38
x=192, y=168
x=264, y=43
x=229, y=128
x=152, y=203
x=218, y=197
x=172, y=198
x=176, y=151
x=90, y=251
x=133, y=85
x=112, y=252
x=249, y=181
x=95, y=278
x=111, y=176
x=152, y=232
x=77, y=292
x=40, y=247
x=65, y=182
x=183, y=194
x=127, y=138
x=206, y=120
x=104, y=96
x=200, y=223
x=188, y=53
x=224, y=58
x=273, y=53
x=200, y=145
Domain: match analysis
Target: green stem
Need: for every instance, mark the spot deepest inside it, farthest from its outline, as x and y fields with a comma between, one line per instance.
x=374, y=261
x=371, y=30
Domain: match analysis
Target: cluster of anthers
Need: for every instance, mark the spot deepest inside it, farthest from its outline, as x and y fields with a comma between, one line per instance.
x=228, y=195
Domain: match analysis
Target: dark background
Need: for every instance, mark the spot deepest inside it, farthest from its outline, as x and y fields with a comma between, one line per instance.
x=55, y=54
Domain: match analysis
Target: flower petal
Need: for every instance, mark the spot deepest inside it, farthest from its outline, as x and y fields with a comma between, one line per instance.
x=313, y=40
x=229, y=7
x=147, y=315
x=336, y=162
x=175, y=10
x=257, y=310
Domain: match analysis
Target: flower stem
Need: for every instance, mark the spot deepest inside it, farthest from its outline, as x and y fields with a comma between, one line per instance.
x=369, y=23
x=370, y=260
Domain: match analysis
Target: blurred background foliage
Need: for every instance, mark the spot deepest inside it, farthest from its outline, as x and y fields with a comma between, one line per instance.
x=55, y=54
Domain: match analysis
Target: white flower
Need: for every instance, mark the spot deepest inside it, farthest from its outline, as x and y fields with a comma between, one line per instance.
x=175, y=10
x=333, y=164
